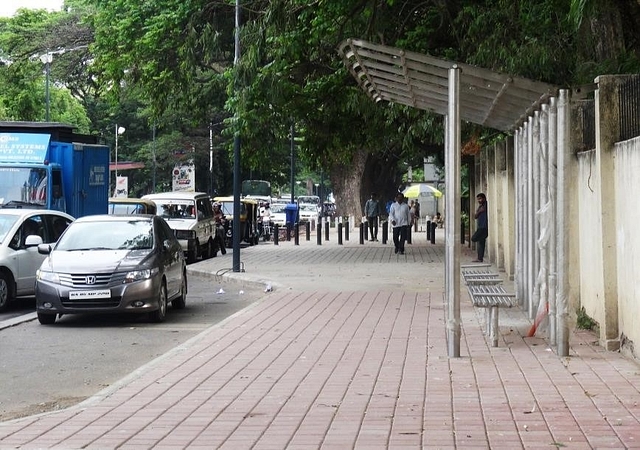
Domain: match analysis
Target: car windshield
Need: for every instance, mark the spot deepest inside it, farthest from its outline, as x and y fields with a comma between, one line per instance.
x=23, y=186
x=310, y=208
x=176, y=209
x=127, y=208
x=277, y=208
x=6, y=222
x=107, y=235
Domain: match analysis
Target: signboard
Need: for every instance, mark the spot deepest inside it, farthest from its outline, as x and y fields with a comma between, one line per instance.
x=97, y=175
x=184, y=177
x=122, y=187
x=24, y=147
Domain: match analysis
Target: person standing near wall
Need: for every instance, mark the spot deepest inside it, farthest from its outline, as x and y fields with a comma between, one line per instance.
x=482, y=227
x=400, y=218
x=416, y=215
x=372, y=213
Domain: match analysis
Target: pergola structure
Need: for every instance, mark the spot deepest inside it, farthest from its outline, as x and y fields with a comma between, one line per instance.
x=487, y=98
x=458, y=92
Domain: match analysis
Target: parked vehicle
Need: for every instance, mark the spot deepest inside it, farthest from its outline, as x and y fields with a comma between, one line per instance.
x=309, y=199
x=278, y=214
x=126, y=205
x=190, y=215
x=21, y=230
x=249, y=212
x=256, y=189
x=308, y=212
x=112, y=263
x=48, y=166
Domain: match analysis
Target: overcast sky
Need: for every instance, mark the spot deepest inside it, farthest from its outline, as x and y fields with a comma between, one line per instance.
x=9, y=7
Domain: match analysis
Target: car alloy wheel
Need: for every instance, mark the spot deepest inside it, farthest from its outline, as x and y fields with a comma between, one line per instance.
x=5, y=292
x=160, y=314
x=181, y=301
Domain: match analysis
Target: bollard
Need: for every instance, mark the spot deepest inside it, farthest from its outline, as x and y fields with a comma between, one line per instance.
x=361, y=233
x=462, y=231
x=319, y=233
x=289, y=229
x=346, y=231
x=428, y=230
x=385, y=231
x=340, y=233
x=409, y=234
x=326, y=231
x=433, y=232
x=296, y=233
x=308, y=230
x=276, y=234
x=366, y=230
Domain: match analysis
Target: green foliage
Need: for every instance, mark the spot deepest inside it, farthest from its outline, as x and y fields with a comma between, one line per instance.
x=169, y=65
x=584, y=322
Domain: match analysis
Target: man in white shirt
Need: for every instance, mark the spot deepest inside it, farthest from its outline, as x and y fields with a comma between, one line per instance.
x=400, y=218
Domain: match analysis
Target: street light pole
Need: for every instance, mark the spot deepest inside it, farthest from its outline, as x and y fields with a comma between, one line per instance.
x=46, y=60
x=119, y=131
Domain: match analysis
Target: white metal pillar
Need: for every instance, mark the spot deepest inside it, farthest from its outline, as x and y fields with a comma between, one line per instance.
x=564, y=142
x=452, y=213
x=553, y=145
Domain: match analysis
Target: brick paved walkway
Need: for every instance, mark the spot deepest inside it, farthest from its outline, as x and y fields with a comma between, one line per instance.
x=349, y=351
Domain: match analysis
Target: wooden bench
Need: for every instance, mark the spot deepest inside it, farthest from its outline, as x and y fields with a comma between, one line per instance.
x=486, y=291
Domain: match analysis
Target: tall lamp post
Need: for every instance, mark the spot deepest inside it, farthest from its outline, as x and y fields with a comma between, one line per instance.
x=119, y=131
x=46, y=60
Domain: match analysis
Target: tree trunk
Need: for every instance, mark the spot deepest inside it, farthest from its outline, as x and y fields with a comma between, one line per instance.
x=353, y=183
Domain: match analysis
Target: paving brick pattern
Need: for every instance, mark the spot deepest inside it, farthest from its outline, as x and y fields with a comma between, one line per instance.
x=349, y=352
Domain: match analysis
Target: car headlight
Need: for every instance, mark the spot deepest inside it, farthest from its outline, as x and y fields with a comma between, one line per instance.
x=139, y=275
x=45, y=275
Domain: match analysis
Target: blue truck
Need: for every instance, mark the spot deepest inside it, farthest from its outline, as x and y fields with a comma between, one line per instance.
x=47, y=165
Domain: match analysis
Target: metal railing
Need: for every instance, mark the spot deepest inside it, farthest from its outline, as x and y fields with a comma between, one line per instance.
x=629, y=101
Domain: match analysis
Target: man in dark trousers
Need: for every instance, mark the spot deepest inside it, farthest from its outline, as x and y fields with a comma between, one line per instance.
x=400, y=218
x=482, y=227
x=372, y=212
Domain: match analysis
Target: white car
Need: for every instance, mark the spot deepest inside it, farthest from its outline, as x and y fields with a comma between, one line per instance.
x=308, y=212
x=21, y=231
x=278, y=215
x=190, y=216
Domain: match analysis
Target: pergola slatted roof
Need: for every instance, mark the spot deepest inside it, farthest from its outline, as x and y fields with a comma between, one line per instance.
x=487, y=98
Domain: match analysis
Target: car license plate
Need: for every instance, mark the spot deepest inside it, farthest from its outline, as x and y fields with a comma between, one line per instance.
x=83, y=295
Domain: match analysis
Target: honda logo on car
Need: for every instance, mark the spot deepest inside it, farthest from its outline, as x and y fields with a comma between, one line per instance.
x=91, y=279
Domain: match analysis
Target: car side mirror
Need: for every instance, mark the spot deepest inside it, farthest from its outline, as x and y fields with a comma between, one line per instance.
x=32, y=240
x=44, y=249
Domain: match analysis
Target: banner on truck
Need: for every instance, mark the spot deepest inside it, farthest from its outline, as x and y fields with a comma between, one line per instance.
x=184, y=177
x=122, y=187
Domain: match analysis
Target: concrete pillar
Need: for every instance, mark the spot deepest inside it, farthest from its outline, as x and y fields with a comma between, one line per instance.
x=607, y=133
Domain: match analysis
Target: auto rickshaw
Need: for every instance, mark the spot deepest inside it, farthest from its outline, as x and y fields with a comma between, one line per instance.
x=249, y=212
x=125, y=205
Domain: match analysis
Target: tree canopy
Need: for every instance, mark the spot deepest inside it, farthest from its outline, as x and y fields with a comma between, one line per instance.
x=166, y=70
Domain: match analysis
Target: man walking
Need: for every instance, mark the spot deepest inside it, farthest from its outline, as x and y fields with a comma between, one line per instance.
x=482, y=227
x=372, y=212
x=400, y=218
